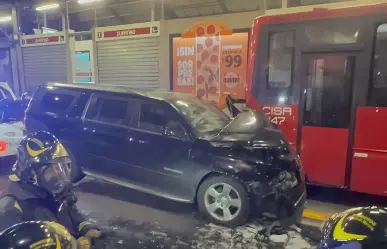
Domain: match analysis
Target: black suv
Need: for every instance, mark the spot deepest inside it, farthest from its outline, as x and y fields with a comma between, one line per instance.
x=175, y=146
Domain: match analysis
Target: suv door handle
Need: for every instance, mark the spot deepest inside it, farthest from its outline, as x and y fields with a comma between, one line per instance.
x=133, y=140
x=89, y=130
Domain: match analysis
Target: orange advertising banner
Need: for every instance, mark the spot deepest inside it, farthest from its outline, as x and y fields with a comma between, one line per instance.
x=233, y=67
x=211, y=67
x=184, y=66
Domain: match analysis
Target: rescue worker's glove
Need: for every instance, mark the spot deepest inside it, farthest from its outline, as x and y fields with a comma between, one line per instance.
x=88, y=230
x=84, y=243
x=93, y=234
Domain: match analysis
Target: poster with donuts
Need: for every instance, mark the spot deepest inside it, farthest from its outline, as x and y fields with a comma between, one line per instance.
x=210, y=62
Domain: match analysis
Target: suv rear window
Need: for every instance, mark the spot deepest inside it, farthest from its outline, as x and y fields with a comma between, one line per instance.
x=56, y=102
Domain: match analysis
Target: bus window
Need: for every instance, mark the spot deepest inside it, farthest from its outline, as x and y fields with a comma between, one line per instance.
x=325, y=33
x=328, y=92
x=281, y=50
x=378, y=91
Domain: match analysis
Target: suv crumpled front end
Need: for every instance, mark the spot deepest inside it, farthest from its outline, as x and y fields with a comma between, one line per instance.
x=254, y=150
x=283, y=194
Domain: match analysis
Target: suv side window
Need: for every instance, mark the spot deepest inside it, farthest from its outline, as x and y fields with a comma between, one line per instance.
x=152, y=118
x=56, y=102
x=157, y=118
x=79, y=106
x=108, y=110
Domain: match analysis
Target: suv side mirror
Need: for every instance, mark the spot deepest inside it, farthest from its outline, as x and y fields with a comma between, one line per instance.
x=174, y=129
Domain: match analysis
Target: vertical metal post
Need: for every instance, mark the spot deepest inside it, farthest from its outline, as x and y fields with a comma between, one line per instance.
x=95, y=17
x=95, y=56
x=67, y=26
x=285, y=4
x=68, y=47
x=153, y=11
x=63, y=22
x=37, y=20
x=17, y=81
x=45, y=19
x=162, y=16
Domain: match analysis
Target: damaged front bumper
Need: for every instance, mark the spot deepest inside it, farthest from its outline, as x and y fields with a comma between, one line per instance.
x=281, y=198
x=286, y=207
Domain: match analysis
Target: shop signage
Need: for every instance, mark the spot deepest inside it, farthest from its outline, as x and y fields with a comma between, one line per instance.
x=83, y=74
x=39, y=40
x=210, y=62
x=128, y=31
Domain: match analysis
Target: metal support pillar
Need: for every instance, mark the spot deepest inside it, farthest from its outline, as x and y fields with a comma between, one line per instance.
x=69, y=56
x=153, y=11
x=38, y=20
x=16, y=60
x=45, y=19
x=95, y=17
x=162, y=16
x=63, y=21
x=285, y=4
x=95, y=56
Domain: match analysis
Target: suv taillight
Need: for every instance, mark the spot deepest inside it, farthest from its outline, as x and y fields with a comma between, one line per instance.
x=3, y=146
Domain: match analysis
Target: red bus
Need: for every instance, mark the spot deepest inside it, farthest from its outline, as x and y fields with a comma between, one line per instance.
x=322, y=77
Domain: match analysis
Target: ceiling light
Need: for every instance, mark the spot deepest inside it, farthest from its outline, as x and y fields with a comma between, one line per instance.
x=5, y=19
x=88, y=1
x=47, y=6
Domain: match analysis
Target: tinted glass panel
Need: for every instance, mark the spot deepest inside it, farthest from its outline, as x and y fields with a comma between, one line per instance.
x=56, y=102
x=378, y=91
x=280, y=65
x=328, y=92
x=79, y=106
x=152, y=118
x=322, y=33
x=112, y=111
x=201, y=115
x=93, y=109
x=5, y=93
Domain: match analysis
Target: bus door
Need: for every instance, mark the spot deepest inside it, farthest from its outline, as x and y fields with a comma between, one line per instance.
x=325, y=109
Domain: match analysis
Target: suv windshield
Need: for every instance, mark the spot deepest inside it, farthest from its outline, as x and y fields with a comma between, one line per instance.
x=5, y=94
x=203, y=116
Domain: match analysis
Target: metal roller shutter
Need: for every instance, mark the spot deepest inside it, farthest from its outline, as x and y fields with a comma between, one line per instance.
x=44, y=59
x=129, y=56
x=44, y=64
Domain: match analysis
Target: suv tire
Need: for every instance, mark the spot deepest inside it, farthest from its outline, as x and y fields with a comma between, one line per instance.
x=224, y=200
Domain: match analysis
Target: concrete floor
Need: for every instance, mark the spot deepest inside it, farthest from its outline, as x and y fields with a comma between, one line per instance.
x=176, y=225
x=145, y=221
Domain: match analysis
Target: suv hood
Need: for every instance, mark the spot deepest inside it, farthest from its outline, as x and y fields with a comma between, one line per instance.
x=251, y=129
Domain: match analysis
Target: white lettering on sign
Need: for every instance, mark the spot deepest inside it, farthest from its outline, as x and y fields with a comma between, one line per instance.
x=42, y=40
x=126, y=32
x=185, y=73
x=276, y=114
x=185, y=51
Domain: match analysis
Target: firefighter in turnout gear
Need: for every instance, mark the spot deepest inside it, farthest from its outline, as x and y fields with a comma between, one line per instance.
x=40, y=188
x=357, y=228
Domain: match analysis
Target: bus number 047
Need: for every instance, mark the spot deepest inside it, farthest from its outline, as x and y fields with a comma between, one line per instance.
x=278, y=120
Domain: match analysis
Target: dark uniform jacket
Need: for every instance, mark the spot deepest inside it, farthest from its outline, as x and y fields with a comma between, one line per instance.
x=25, y=203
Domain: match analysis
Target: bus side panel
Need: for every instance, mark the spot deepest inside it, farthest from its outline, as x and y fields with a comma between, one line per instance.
x=255, y=33
x=369, y=162
x=324, y=154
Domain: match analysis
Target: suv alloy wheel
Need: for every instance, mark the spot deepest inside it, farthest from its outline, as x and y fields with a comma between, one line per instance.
x=224, y=200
